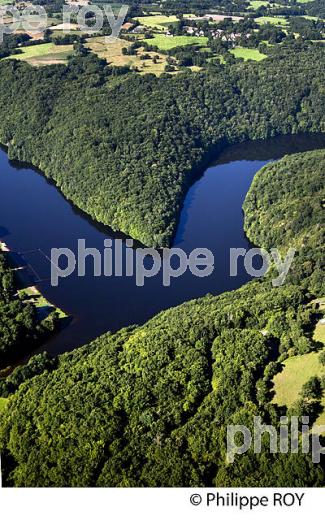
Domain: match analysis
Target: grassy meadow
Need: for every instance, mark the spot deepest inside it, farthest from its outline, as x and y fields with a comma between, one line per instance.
x=112, y=53
x=256, y=4
x=297, y=371
x=274, y=20
x=319, y=334
x=44, y=307
x=156, y=21
x=165, y=43
x=248, y=54
x=44, y=54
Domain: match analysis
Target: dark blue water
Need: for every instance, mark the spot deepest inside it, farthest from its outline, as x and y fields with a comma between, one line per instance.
x=35, y=217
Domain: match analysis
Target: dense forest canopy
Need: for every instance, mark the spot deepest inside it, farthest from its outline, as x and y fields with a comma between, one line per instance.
x=149, y=405
x=296, y=209
x=125, y=148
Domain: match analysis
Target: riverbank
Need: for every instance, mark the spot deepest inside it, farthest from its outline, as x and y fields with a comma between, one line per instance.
x=48, y=319
x=137, y=180
x=31, y=293
x=211, y=217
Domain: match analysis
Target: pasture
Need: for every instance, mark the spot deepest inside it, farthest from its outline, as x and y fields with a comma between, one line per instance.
x=256, y=4
x=156, y=21
x=166, y=43
x=274, y=20
x=297, y=371
x=112, y=53
x=248, y=54
x=44, y=54
x=319, y=334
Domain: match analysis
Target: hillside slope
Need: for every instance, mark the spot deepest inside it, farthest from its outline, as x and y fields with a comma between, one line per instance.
x=125, y=149
x=149, y=405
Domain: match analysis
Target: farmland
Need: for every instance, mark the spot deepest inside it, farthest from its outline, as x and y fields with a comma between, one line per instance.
x=166, y=43
x=156, y=21
x=44, y=54
x=297, y=371
x=256, y=4
x=112, y=53
x=248, y=54
x=274, y=20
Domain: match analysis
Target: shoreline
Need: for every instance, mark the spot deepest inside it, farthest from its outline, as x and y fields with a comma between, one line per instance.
x=192, y=175
x=28, y=293
x=31, y=292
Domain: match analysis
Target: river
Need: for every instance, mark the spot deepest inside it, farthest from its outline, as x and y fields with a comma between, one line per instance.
x=35, y=217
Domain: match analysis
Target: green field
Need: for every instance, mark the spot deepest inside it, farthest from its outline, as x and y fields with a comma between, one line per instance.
x=296, y=372
x=274, y=20
x=256, y=4
x=44, y=54
x=157, y=21
x=165, y=42
x=3, y=403
x=248, y=54
x=319, y=334
x=35, y=50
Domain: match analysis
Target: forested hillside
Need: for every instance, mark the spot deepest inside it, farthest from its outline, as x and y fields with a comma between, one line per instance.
x=293, y=214
x=149, y=406
x=125, y=148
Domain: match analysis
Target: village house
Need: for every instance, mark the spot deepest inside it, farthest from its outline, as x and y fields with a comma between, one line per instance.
x=139, y=29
